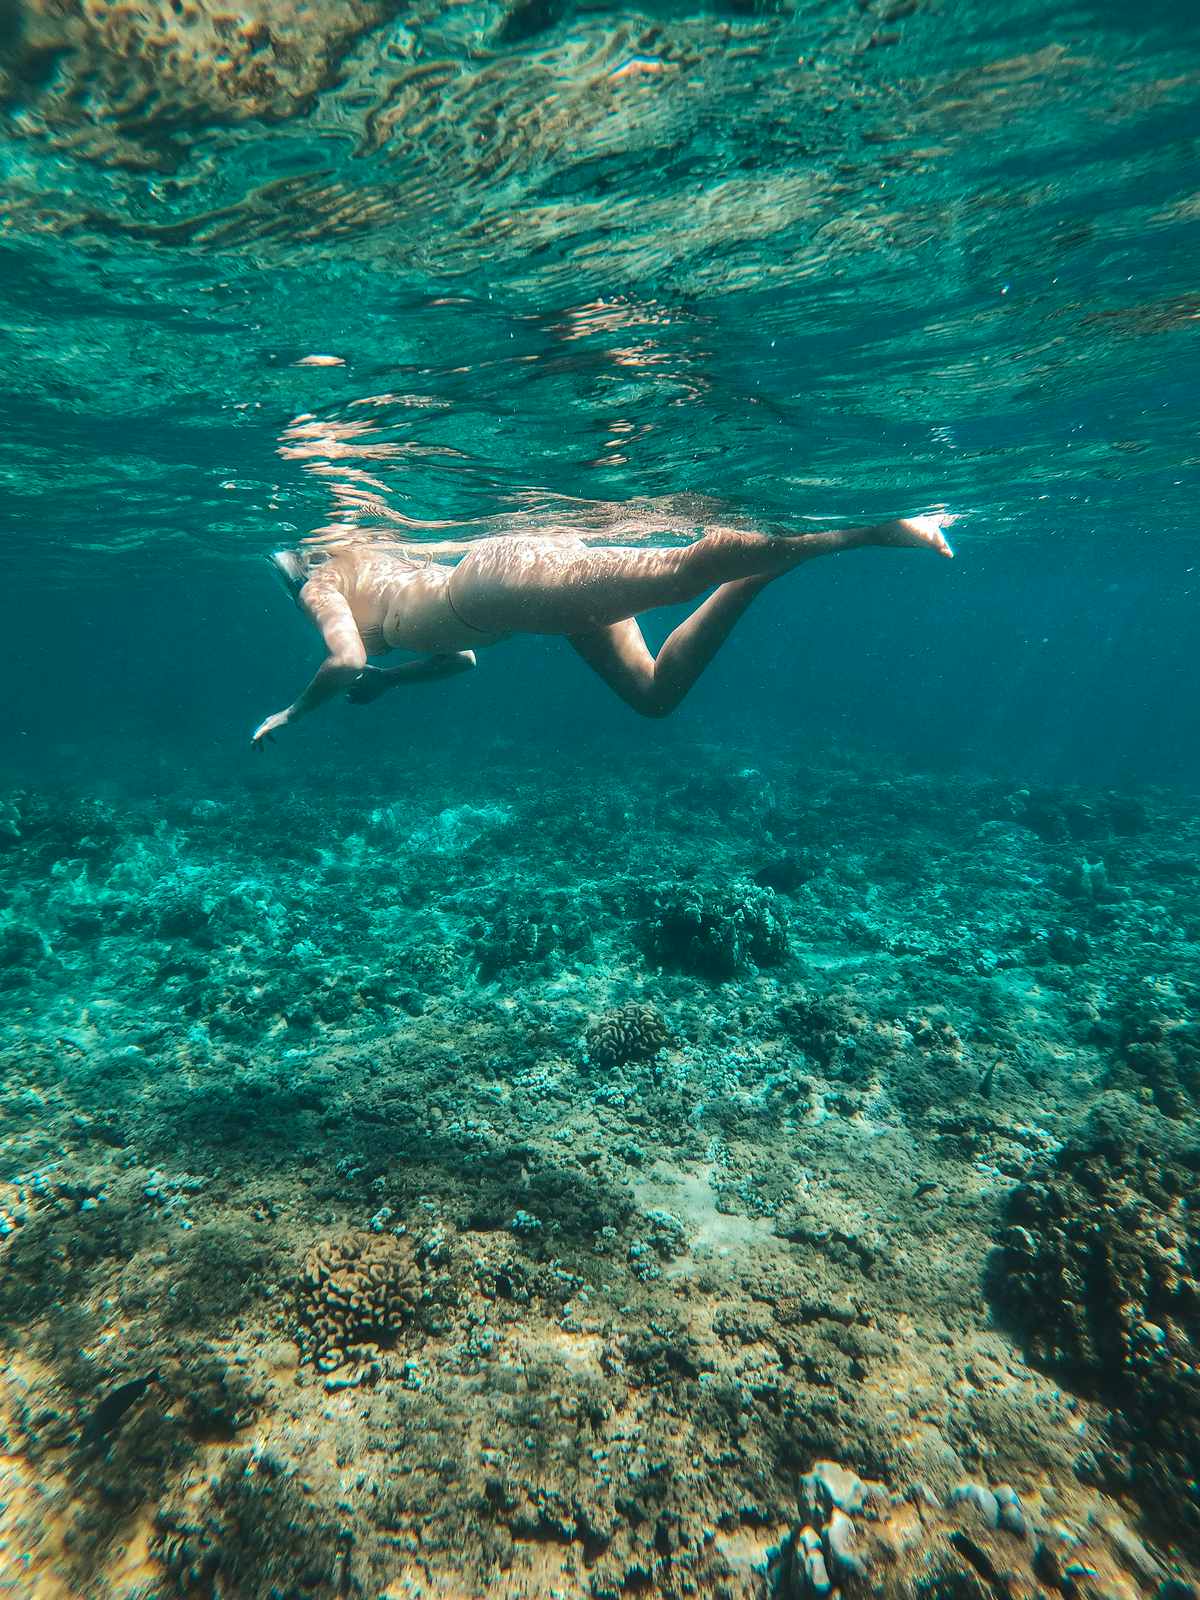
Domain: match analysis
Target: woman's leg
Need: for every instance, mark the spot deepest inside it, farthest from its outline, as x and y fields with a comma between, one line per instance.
x=538, y=585
x=654, y=685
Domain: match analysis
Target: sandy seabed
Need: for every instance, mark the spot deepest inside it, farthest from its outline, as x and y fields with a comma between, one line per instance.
x=720, y=1179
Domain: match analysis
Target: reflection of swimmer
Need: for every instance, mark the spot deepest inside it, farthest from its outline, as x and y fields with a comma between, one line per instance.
x=367, y=599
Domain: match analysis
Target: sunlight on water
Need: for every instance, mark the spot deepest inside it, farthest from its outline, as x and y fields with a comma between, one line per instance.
x=831, y=260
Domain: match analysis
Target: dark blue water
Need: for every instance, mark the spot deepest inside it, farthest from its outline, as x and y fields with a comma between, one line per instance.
x=1025, y=661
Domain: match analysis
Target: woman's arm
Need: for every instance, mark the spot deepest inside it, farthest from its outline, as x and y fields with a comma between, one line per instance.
x=347, y=657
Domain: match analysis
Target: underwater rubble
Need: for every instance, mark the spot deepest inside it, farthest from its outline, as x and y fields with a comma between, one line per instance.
x=976, y=1541
x=763, y=1176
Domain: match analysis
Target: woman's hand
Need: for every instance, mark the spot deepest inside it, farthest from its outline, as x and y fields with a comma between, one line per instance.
x=266, y=730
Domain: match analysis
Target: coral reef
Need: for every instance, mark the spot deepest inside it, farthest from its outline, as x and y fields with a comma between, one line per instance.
x=363, y=1228
x=528, y=930
x=256, y=1536
x=1157, y=1045
x=819, y=1027
x=978, y=1541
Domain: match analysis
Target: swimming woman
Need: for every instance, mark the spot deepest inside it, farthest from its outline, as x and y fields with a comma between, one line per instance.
x=367, y=599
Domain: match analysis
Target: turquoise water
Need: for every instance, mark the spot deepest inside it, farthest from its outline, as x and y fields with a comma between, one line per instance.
x=676, y=1105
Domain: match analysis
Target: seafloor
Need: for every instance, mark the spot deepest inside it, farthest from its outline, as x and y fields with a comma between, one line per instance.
x=514, y=1181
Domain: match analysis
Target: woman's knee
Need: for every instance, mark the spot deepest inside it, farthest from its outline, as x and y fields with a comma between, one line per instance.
x=653, y=704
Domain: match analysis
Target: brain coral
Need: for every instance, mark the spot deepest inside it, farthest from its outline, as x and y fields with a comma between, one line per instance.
x=355, y=1294
x=633, y=1032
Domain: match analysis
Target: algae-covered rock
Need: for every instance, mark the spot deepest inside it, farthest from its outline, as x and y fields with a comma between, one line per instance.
x=1100, y=1264
x=819, y=1025
x=22, y=952
x=1157, y=1047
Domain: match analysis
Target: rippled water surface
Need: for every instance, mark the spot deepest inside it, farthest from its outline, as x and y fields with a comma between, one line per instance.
x=271, y=267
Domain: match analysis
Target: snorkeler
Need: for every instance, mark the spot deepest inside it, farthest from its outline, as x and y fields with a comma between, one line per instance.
x=367, y=599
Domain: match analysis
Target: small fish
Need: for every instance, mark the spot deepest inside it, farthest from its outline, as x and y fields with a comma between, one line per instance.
x=927, y=1187
x=108, y=1415
x=985, y=1083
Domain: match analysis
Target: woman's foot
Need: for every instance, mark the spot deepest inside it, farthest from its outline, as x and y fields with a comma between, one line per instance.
x=916, y=533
